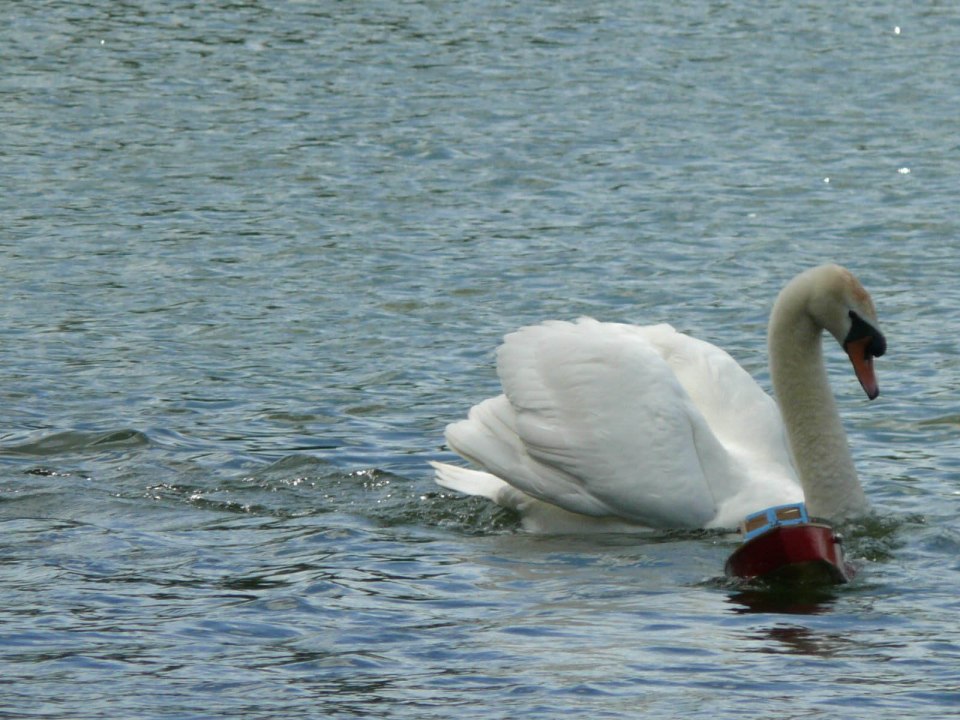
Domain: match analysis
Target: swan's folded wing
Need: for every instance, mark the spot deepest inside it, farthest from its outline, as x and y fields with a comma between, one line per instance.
x=489, y=438
x=596, y=404
x=744, y=418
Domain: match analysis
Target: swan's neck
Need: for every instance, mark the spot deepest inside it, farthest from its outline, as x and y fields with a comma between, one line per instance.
x=819, y=444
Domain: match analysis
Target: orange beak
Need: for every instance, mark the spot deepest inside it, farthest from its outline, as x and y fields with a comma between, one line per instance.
x=857, y=351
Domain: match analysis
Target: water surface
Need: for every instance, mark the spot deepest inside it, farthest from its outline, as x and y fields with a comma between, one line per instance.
x=254, y=257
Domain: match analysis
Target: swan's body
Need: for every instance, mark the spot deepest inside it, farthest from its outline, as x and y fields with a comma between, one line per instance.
x=604, y=426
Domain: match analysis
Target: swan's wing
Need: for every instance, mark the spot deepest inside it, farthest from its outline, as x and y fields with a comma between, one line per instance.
x=490, y=438
x=745, y=419
x=595, y=421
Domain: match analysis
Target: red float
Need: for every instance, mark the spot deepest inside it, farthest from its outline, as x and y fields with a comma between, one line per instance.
x=782, y=544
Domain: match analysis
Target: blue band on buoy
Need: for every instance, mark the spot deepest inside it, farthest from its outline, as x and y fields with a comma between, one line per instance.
x=765, y=520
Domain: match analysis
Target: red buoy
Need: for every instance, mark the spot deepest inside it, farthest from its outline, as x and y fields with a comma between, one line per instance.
x=781, y=543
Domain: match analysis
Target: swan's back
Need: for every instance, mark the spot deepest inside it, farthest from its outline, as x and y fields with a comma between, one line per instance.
x=639, y=423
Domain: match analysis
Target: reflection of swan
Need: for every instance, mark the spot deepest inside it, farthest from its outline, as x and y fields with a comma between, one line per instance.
x=605, y=426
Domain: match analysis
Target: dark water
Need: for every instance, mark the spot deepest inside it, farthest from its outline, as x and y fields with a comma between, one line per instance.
x=254, y=256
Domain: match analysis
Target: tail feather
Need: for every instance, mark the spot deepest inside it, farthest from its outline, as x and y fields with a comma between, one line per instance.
x=484, y=484
x=537, y=516
x=467, y=481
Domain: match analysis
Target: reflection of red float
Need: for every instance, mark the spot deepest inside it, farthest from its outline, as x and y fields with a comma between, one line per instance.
x=780, y=543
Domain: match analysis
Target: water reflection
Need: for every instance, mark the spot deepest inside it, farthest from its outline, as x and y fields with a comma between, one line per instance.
x=796, y=600
x=798, y=640
x=795, y=639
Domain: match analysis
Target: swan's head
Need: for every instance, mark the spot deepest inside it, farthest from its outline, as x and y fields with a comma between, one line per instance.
x=841, y=305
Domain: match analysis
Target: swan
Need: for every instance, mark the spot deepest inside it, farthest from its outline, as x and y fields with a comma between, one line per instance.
x=612, y=427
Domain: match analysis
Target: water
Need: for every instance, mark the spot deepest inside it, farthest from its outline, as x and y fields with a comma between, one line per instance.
x=255, y=256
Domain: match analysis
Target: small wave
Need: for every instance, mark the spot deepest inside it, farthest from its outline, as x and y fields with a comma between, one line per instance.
x=952, y=419
x=78, y=441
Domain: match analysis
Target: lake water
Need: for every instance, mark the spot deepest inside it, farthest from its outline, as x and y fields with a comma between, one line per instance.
x=254, y=256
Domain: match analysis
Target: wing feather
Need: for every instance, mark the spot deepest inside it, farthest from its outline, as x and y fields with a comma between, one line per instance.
x=596, y=402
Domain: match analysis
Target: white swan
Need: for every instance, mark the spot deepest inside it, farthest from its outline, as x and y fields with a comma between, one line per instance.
x=604, y=426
